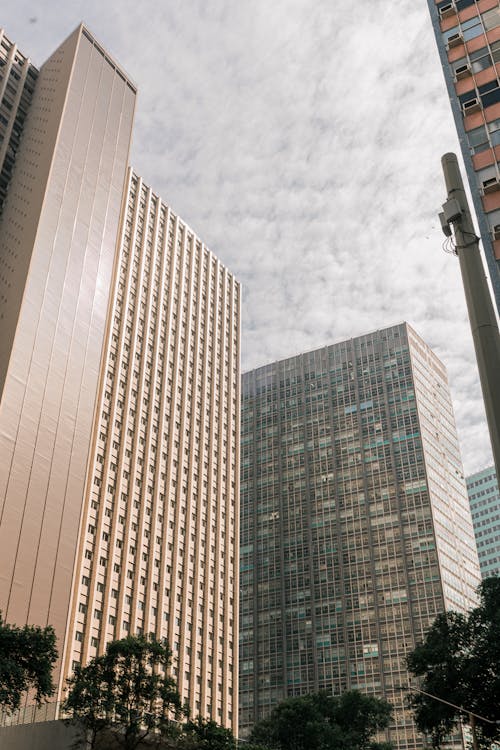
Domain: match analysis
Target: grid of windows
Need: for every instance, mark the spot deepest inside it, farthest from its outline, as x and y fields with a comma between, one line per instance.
x=17, y=83
x=349, y=463
x=484, y=498
x=158, y=554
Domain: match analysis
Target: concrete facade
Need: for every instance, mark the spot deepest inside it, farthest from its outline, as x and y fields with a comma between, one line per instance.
x=119, y=391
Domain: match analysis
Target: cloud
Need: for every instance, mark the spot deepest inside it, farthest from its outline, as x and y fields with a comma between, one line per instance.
x=302, y=141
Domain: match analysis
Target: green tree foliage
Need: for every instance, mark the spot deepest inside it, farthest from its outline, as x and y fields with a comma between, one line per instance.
x=459, y=661
x=27, y=658
x=125, y=692
x=206, y=734
x=324, y=722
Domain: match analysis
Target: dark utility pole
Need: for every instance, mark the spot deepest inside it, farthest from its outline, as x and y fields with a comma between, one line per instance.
x=477, y=295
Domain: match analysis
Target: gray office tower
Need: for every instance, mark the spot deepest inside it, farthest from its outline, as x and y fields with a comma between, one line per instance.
x=356, y=529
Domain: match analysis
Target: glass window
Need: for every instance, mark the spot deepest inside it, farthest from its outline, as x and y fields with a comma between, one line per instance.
x=494, y=130
x=492, y=97
x=472, y=28
x=467, y=96
x=495, y=51
x=493, y=218
x=450, y=32
x=491, y=18
x=488, y=86
x=478, y=139
x=494, y=125
x=480, y=59
x=459, y=63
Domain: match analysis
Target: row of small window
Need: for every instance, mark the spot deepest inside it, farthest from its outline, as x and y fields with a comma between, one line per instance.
x=488, y=478
x=476, y=61
x=487, y=510
x=473, y=27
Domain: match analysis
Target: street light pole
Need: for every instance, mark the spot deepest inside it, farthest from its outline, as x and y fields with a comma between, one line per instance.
x=472, y=721
x=472, y=715
x=482, y=317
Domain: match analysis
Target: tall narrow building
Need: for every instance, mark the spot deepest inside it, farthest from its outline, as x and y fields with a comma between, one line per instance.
x=157, y=551
x=58, y=235
x=17, y=82
x=119, y=389
x=468, y=38
x=484, y=498
x=355, y=525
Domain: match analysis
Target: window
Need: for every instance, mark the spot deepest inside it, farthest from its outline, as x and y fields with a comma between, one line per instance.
x=491, y=18
x=478, y=139
x=489, y=93
x=461, y=63
x=494, y=131
x=495, y=51
x=471, y=28
x=480, y=59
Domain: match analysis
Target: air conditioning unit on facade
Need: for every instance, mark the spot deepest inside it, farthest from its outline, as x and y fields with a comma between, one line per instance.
x=447, y=10
x=472, y=105
x=496, y=232
x=491, y=185
x=462, y=72
x=454, y=40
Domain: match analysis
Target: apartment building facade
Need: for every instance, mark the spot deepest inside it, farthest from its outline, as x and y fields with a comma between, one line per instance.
x=468, y=39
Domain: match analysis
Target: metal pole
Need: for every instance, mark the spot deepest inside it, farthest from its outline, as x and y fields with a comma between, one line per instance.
x=472, y=720
x=480, y=308
x=453, y=705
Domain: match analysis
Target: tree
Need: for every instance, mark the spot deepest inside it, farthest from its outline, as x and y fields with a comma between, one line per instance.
x=208, y=735
x=321, y=721
x=126, y=692
x=459, y=662
x=27, y=658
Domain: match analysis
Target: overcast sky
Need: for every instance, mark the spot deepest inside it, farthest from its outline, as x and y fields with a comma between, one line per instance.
x=301, y=140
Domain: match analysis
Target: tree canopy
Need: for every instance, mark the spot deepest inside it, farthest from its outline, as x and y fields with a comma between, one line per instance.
x=459, y=662
x=27, y=658
x=126, y=692
x=206, y=734
x=322, y=722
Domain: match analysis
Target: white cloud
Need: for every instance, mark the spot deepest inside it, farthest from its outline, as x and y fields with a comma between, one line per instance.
x=302, y=141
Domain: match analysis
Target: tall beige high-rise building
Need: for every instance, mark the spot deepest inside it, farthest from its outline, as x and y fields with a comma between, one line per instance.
x=119, y=382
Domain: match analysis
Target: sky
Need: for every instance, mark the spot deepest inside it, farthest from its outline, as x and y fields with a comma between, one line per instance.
x=301, y=140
